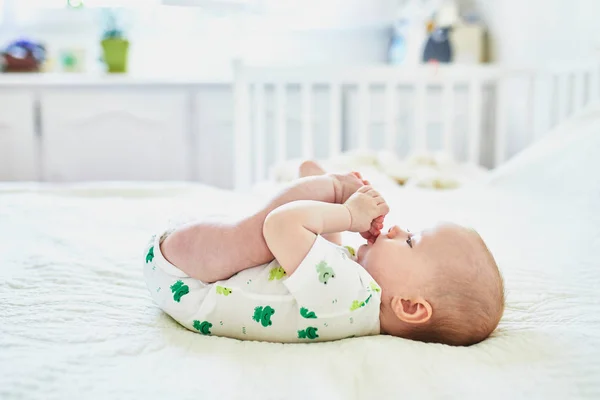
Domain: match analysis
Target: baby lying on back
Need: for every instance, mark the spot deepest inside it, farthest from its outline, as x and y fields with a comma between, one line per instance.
x=282, y=274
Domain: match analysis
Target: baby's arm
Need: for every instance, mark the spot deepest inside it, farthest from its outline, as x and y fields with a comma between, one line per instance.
x=212, y=251
x=290, y=231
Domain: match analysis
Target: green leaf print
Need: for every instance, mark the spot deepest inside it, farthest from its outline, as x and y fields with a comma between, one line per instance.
x=308, y=333
x=374, y=287
x=263, y=315
x=179, y=290
x=325, y=272
x=203, y=327
x=356, y=304
x=150, y=255
x=307, y=314
x=351, y=251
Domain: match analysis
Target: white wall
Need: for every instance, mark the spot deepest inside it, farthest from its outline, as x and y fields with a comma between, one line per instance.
x=539, y=31
x=189, y=41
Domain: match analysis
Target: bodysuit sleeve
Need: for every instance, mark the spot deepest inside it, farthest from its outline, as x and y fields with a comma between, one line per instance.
x=329, y=282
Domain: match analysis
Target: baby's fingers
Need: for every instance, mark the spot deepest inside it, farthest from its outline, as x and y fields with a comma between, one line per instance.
x=366, y=235
x=374, y=231
x=384, y=209
x=375, y=223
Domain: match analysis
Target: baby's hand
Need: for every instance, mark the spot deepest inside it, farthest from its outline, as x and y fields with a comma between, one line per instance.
x=376, y=227
x=365, y=206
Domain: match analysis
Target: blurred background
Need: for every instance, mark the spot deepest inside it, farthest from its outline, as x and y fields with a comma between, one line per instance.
x=88, y=84
x=202, y=40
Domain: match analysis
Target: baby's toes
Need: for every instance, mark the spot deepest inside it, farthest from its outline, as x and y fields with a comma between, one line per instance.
x=356, y=174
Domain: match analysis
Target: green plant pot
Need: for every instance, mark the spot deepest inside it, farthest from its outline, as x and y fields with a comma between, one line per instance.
x=116, y=54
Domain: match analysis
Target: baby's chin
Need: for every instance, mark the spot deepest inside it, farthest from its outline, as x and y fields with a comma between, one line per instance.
x=362, y=251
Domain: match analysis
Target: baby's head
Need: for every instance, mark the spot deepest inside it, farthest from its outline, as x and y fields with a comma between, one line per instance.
x=440, y=285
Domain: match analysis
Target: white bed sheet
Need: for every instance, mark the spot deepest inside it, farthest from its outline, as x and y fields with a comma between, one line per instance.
x=76, y=320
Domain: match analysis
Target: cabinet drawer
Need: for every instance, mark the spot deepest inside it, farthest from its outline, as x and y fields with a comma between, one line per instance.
x=103, y=134
x=18, y=146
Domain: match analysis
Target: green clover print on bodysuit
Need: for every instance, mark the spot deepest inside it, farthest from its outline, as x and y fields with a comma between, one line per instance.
x=325, y=272
x=203, y=327
x=150, y=255
x=276, y=273
x=263, y=315
x=179, y=290
x=307, y=314
x=224, y=291
x=308, y=333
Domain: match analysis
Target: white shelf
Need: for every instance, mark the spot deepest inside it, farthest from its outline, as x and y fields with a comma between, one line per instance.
x=77, y=80
x=229, y=6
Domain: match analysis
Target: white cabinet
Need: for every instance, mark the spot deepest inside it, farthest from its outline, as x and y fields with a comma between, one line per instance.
x=214, y=136
x=18, y=145
x=115, y=134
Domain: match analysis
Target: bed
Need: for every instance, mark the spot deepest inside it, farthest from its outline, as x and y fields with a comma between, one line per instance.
x=76, y=320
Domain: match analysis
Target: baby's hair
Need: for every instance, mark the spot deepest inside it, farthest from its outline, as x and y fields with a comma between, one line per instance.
x=469, y=306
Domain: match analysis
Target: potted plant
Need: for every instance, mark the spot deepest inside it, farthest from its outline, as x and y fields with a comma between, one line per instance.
x=115, y=46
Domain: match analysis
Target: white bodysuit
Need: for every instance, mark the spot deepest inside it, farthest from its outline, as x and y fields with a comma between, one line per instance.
x=329, y=297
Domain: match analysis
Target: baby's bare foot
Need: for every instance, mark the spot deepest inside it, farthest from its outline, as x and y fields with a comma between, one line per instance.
x=346, y=184
x=310, y=168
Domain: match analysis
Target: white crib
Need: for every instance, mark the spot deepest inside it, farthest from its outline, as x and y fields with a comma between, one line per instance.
x=493, y=98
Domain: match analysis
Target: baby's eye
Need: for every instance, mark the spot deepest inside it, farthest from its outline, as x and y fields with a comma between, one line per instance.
x=409, y=242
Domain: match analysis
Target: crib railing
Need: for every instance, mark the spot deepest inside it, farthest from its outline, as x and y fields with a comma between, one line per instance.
x=553, y=94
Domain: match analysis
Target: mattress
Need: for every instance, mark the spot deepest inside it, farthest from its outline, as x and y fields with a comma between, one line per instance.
x=76, y=320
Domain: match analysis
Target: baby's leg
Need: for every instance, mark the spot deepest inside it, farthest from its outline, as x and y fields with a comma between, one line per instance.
x=212, y=251
x=311, y=168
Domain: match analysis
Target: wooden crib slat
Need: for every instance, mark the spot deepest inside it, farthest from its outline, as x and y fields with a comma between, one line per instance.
x=594, y=85
x=391, y=103
x=363, y=116
x=448, y=117
x=280, y=122
x=242, y=164
x=475, y=109
x=420, y=138
x=501, y=123
x=258, y=111
x=572, y=90
x=531, y=108
x=564, y=97
x=335, y=115
x=579, y=90
x=554, y=100
x=307, y=133
x=587, y=92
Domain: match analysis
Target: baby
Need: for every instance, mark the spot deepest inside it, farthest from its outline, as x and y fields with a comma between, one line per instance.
x=281, y=274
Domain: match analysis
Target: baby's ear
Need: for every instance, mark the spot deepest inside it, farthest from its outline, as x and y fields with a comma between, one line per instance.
x=412, y=311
